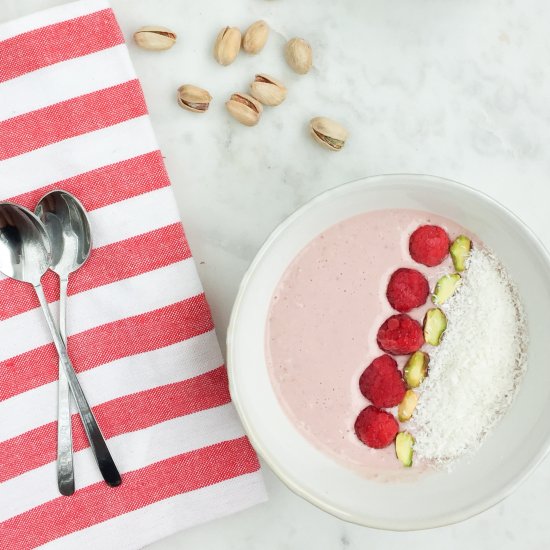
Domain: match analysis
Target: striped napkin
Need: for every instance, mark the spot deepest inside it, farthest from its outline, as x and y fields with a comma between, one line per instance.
x=73, y=116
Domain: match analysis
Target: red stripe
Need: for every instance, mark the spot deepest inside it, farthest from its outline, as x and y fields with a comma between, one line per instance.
x=146, y=332
x=106, y=265
x=59, y=42
x=108, y=184
x=125, y=414
x=159, y=481
x=71, y=118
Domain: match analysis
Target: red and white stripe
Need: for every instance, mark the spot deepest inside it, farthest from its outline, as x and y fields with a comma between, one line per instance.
x=140, y=332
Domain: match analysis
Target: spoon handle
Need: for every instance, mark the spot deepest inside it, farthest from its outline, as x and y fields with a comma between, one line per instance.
x=102, y=455
x=65, y=468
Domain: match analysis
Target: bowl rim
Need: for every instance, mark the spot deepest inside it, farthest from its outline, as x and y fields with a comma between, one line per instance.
x=277, y=468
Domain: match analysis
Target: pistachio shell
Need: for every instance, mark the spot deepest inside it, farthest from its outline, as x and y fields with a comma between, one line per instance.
x=328, y=133
x=227, y=45
x=155, y=38
x=298, y=55
x=255, y=37
x=268, y=90
x=244, y=108
x=193, y=98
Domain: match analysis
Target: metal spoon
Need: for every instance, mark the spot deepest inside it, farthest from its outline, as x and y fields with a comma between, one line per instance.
x=68, y=229
x=25, y=255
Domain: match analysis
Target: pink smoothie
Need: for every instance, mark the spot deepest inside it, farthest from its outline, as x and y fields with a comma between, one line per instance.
x=322, y=325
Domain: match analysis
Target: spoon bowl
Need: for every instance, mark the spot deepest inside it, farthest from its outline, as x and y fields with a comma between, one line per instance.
x=25, y=252
x=68, y=230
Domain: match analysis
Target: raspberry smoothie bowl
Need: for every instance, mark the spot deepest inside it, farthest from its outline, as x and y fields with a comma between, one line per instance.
x=396, y=330
x=385, y=347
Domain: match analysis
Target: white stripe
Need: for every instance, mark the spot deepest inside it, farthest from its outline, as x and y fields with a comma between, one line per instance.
x=157, y=521
x=134, y=216
x=77, y=155
x=125, y=376
x=82, y=75
x=98, y=306
x=131, y=451
x=50, y=17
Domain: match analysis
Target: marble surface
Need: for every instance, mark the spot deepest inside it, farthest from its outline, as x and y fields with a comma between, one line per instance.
x=454, y=88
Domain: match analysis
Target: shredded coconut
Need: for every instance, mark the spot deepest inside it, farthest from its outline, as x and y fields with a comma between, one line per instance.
x=476, y=370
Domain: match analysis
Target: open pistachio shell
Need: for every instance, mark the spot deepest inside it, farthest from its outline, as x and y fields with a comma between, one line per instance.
x=244, y=108
x=154, y=38
x=227, y=45
x=193, y=98
x=268, y=90
x=328, y=133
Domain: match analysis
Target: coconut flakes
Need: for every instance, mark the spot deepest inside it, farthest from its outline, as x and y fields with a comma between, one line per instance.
x=475, y=372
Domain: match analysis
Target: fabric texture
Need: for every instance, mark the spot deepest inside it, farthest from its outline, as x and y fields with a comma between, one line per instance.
x=73, y=117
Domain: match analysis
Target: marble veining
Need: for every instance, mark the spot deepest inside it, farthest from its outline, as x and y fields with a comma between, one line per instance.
x=454, y=88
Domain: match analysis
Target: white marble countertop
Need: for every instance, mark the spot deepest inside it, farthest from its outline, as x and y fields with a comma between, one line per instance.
x=458, y=89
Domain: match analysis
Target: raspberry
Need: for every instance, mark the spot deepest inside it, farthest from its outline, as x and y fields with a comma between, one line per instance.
x=429, y=245
x=376, y=428
x=382, y=383
x=407, y=289
x=400, y=335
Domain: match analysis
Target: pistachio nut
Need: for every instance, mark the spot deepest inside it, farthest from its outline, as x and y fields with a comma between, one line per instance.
x=255, y=37
x=435, y=324
x=445, y=287
x=404, y=448
x=298, y=55
x=245, y=109
x=460, y=250
x=227, y=45
x=268, y=90
x=416, y=369
x=328, y=133
x=155, y=38
x=194, y=98
x=406, y=408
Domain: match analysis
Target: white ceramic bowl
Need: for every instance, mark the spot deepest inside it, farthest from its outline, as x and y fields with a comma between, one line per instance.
x=512, y=450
